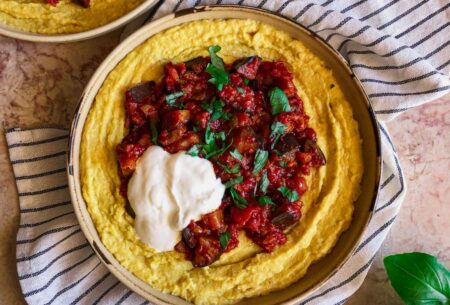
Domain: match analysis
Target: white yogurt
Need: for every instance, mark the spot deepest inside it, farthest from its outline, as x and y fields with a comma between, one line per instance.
x=167, y=191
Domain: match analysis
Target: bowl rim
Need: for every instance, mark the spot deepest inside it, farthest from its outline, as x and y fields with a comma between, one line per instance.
x=19, y=34
x=119, y=270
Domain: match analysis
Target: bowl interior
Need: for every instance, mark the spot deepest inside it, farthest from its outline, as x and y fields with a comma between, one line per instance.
x=16, y=33
x=318, y=273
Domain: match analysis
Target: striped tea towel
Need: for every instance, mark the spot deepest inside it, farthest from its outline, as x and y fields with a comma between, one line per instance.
x=399, y=49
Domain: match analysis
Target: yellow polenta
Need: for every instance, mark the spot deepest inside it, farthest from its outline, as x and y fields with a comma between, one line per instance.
x=66, y=17
x=245, y=271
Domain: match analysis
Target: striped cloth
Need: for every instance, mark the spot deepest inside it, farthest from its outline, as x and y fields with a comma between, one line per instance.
x=399, y=50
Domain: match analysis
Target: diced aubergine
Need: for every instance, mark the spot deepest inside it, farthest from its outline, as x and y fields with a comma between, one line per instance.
x=249, y=67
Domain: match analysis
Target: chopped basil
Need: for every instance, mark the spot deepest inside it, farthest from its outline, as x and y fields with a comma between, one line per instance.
x=193, y=151
x=224, y=239
x=277, y=152
x=260, y=160
x=283, y=164
x=172, y=98
x=288, y=194
x=210, y=136
x=238, y=200
x=214, y=151
x=236, y=154
x=264, y=200
x=195, y=128
x=233, y=170
x=226, y=116
x=277, y=130
x=221, y=135
x=217, y=70
x=278, y=101
x=246, y=81
x=154, y=132
x=240, y=90
x=264, y=183
x=234, y=181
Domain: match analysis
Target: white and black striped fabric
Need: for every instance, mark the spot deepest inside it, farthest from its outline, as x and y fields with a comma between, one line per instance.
x=399, y=50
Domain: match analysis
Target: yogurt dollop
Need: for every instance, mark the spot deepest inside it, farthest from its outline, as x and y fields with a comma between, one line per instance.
x=167, y=191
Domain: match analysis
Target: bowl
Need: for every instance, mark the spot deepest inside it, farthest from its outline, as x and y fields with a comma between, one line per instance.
x=16, y=33
x=318, y=273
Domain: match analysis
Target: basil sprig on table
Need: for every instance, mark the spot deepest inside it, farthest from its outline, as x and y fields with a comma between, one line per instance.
x=419, y=278
x=279, y=101
x=217, y=70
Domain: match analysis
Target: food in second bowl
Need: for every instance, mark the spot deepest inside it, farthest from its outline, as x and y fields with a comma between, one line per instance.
x=265, y=152
x=63, y=16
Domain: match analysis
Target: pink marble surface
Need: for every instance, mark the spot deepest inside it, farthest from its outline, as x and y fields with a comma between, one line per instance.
x=40, y=85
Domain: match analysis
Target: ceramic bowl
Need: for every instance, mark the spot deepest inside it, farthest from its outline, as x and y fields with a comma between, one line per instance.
x=13, y=32
x=318, y=273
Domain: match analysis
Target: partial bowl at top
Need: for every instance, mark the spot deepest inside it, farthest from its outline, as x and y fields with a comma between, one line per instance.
x=98, y=127
x=67, y=21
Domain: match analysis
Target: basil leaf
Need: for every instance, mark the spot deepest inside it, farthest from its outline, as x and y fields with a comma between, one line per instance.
x=172, y=98
x=288, y=194
x=233, y=170
x=221, y=135
x=246, y=81
x=264, y=183
x=276, y=151
x=195, y=128
x=224, y=239
x=216, y=61
x=234, y=181
x=154, y=132
x=419, y=278
x=278, y=101
x=277, y=130
x=238, y=200
x=209, y=135
x=226, y=116
x=212, y=151
x=240, y=90
x=236, y=154
x=260, y=160
x=283, y=164
x=217, y=70
x=193, y=151
x=264, y=200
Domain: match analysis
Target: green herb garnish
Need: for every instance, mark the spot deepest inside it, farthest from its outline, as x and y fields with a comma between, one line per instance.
x=264, y=183
x=172, y=98
x=233, y=170
x=214, y=151
x=238, y=200
x=277, y=130
x=236, y=154
x=283, y=164
x=276, y=151
x=240, y=90
x=246, y=81
x=278, y=101
x=264, y=200
x=419, y=278
x=193, y=151
x=217, y=70
x=261, y=157
x=234, y=181
x=224, y=239
x=288, y=194
x=154, y=132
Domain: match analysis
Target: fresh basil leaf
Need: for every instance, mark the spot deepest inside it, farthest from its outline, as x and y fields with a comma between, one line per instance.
x=221, y=135
x=209, y=135
x=214, y=151
x=419, y=278
x=224, y=239
x=226, y=116
x=216, y=61
x=277, y=130
x=278, y=101
x=264, y=183
x=195, y=128
x=238, y=200
x=264, y=200
x=276, y=151
x=172, y=98
x=233, y=170
x=260, y=160
x=283, y=164
x=215, y=116
x=240, y=90
x=236, y=154
x=207, y=107
x=288, y=194
x=234, y=181
x=193, y=151
x=246, y=81
x=154, y=132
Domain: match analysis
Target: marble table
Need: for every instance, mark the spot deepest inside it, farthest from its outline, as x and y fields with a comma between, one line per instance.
x=40, y=85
